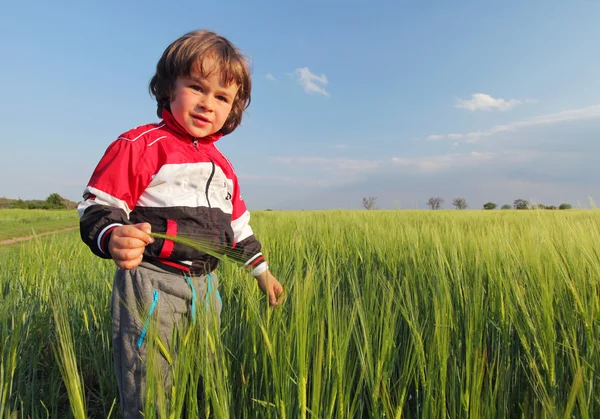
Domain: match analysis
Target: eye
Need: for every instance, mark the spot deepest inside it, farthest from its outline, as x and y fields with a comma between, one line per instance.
x=223, y=99
x=196, y=87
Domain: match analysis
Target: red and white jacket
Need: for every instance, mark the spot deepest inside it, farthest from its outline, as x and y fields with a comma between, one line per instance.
x=181, y=185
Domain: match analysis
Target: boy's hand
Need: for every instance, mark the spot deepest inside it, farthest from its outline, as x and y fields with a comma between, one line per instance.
x=127, y=244
x=271, y=287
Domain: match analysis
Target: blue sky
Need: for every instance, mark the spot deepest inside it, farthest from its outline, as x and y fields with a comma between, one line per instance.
x=486, y=100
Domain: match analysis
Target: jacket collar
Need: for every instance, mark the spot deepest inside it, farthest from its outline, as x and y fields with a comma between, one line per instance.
x=170, y=121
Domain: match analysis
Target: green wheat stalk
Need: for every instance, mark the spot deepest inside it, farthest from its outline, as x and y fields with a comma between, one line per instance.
x=198, y=242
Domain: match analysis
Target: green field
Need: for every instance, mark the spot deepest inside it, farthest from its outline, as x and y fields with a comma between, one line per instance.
x=19, y=223
x=388, y=314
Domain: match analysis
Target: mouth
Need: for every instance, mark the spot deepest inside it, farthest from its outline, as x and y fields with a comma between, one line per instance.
x=200, y=118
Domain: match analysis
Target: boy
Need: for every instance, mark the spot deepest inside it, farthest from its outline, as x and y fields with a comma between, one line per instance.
x=169, y=177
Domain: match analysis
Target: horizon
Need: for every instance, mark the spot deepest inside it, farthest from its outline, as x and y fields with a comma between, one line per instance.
x=531, y=206
x=490, y=102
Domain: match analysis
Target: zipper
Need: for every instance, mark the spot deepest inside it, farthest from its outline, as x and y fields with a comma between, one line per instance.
x=212, y=173
x=210, y=214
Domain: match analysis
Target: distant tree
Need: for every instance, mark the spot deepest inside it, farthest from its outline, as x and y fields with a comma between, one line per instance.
x=551, y=207
x=538, y=206
x=564, y=206
x=520, y=204
x=55, y=201
x=506, y=206
x=37, y=204
x=489, y=206
x=19, y=204
x=369, y=203
x=435, y=202
x=460, y=203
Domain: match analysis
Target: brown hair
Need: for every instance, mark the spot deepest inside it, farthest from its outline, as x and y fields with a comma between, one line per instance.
x=188, y=52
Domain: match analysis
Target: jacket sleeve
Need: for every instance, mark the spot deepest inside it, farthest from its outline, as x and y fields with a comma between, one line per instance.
x=115, y=186
x=247, y=247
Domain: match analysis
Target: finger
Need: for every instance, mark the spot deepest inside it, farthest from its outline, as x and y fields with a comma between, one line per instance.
x=128, y=243
x=147, y=229
x=133, y=231
x=129, y=264
x=131, y=238
x=132, y=250
x=125, y=255
x=272, y=298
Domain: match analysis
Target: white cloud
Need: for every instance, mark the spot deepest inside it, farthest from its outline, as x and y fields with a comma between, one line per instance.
x=434, y=163
x=269, y=76
x=431, y=164
x=591, y=112
x=341, y=146
x=353, y=165
x=311, y=82
x=347, y=168
x=500, y=175
x=426, y=164
x=482, y=101
x=284, y=180
x=330, y=171
x=435, y=137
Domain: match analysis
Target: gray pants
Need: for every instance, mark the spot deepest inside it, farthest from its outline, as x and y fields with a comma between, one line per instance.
x=140, y=295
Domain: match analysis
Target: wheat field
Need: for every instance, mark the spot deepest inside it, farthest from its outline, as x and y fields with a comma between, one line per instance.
x=387, y=314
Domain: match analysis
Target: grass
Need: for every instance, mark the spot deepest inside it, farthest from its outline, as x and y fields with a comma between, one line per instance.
x=19, y=223
x=395, y=313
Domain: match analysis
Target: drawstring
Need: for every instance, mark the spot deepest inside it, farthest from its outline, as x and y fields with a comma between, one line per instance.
x=209, y=290
x=150, y=311
x=189, y=281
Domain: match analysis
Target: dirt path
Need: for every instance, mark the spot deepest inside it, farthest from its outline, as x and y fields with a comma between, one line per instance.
x=25, y=238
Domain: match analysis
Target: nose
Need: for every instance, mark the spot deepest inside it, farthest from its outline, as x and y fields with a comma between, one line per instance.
x=207, y=102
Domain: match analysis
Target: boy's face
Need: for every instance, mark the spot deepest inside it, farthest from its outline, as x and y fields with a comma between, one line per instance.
x=202, y=105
